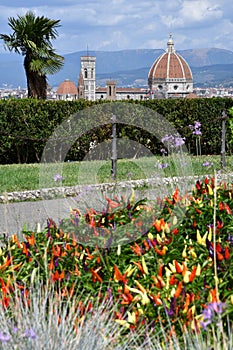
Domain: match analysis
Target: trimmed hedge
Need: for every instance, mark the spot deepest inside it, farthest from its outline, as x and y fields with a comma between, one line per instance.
x=26, y=125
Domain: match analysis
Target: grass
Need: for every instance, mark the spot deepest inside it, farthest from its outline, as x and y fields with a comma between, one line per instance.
x=21, y=177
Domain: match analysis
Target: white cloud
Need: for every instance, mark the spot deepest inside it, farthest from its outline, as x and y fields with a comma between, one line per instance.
x=123, y=24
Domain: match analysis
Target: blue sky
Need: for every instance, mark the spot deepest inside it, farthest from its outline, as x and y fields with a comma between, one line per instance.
x=110, y=25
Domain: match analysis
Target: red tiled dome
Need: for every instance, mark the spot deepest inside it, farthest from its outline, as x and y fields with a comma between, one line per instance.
x=170, y=65
x=67, y=87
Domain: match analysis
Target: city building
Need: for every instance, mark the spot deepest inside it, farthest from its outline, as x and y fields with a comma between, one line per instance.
x=67, y=90
x=169, y=77
x=87, y=78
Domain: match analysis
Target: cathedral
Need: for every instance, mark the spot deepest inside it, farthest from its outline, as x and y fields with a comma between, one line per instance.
x=169, y=77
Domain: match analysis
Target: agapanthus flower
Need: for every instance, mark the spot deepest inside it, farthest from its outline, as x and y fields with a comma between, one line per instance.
x=207, y=164
x=179, y=141
x=196, y=128
x=163, y=165
x=4, y=337
x=163, y=151
x=29, y=333
x=167, y=138
x=211, y=311
x=58, y=178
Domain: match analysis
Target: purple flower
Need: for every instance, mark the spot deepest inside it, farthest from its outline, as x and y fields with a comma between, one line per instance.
x=171, y=312
x=56, y=262
x=162, y=166
x=197, y=125
x=196, y=128
x=149, y=242
x=110, y=294
x=210, y=248
x=15, y=329
x=204, y=324
x=29, y=333
x=217, y=307
x=173, y=141
x=211, y=311
x=58, y=178
x=207, y=164
x=167, y=138
x=197, y=132
x=4, y=337
x=179, y=141
x=163, y=151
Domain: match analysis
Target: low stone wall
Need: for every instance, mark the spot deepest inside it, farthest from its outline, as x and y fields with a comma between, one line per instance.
x=61, y=192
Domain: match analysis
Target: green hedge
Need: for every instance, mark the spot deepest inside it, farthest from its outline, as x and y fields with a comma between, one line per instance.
x=26, y=125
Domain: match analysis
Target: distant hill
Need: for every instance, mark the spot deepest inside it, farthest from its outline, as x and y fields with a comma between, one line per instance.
x=129, y=67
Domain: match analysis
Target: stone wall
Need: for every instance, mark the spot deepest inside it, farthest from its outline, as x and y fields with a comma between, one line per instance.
x=56, y=192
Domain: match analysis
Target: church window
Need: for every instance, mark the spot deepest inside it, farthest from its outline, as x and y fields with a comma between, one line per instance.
x=175, y=87
x=85, y=73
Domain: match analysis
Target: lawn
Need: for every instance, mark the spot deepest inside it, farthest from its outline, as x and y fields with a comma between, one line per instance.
x=19, y=177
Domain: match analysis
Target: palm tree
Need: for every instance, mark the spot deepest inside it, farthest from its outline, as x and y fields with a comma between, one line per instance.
x=32, y=37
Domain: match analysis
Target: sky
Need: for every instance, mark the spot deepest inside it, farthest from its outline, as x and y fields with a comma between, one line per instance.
x=112, y=25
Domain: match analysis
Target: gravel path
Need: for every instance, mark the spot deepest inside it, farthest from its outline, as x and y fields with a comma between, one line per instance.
x=15, y=215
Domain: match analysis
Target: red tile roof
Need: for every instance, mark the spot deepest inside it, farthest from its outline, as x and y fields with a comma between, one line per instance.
x=67, y=87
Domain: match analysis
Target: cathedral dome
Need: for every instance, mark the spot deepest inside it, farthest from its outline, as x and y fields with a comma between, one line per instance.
x=67, y=87
x=170, y=73
x=67, y=90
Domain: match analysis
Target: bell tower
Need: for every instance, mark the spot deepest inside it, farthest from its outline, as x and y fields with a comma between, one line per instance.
x=88, y=73
x=111, y=90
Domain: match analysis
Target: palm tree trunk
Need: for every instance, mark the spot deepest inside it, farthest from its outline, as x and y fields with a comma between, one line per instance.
x=36, y=83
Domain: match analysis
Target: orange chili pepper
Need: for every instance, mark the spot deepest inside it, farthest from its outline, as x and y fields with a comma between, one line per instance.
x=220, y=257
x=136, y=248
x=157, y=225
x=178, y=289
x=95, y=275
x=187, y=302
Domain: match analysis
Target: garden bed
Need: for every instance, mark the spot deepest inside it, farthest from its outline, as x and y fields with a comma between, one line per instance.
x=176, y=274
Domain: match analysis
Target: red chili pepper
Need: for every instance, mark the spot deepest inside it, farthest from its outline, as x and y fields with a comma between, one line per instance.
x=227, y=254
x=179, y=269
x=173, y=280
x=193, y=274
x=228, y=210
x=175, y=231
x=221, y=206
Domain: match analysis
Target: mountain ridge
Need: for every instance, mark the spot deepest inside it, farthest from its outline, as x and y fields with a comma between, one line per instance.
x=128, y=67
